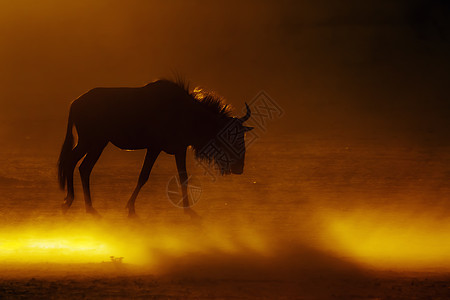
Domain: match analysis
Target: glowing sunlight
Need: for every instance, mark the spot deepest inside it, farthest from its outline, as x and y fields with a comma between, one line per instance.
x=391, y=241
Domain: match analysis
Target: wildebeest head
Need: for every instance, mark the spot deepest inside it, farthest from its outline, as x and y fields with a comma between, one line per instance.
x=227, y=148
x=231, y=141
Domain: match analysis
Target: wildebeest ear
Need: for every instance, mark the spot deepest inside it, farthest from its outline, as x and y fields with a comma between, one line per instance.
x=248, y=128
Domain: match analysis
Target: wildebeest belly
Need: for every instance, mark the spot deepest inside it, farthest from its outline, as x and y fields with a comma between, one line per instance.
x=131, y=120
x=129, y=143
x=132, y=138
x=142, y=138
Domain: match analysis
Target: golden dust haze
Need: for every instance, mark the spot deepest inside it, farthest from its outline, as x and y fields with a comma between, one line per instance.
x=368, y=239
x=353, y=175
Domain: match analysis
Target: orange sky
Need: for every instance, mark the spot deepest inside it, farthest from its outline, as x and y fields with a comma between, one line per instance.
x=372, y=68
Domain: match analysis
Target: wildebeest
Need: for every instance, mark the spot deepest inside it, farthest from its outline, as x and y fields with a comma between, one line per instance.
x=161, y=116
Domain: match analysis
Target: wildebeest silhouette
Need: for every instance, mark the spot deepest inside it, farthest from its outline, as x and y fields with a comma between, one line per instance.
x=161, y=116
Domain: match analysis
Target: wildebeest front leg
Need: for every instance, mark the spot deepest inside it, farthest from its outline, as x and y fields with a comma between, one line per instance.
x=85, y=172
x=150, y=159
x=180, y=159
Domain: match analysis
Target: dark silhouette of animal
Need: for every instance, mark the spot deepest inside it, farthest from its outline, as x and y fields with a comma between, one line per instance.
x=160, y=116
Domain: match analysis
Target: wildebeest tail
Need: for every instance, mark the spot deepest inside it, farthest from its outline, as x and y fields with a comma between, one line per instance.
x=65, y=153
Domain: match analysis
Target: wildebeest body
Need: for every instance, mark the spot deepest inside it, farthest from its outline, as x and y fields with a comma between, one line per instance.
x=159, y=115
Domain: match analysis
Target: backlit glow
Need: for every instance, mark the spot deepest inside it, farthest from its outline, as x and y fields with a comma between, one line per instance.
x=95, y=242
x=391, y=240
x=374, y=239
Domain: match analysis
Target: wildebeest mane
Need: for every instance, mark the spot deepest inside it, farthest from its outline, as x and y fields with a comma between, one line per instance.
x=207, y=153
x=210, y=100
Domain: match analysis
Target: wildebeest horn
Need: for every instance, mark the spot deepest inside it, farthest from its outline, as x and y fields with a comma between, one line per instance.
x=247, y=115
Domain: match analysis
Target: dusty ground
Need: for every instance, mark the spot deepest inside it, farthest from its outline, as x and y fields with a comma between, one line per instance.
x=309, y=219
x=373, y=286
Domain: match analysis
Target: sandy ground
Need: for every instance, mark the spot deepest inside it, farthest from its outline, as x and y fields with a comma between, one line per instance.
x=312, y=286
x=309, y=219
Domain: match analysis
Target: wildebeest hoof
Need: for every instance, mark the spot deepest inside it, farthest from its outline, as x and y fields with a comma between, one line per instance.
x=93, y=212
x=64, y=208
x=191, y=213
x=132, y=215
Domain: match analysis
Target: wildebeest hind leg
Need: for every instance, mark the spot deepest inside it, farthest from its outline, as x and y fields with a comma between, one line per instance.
x=150, y=159
x=85, y=169
x=76, y=154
